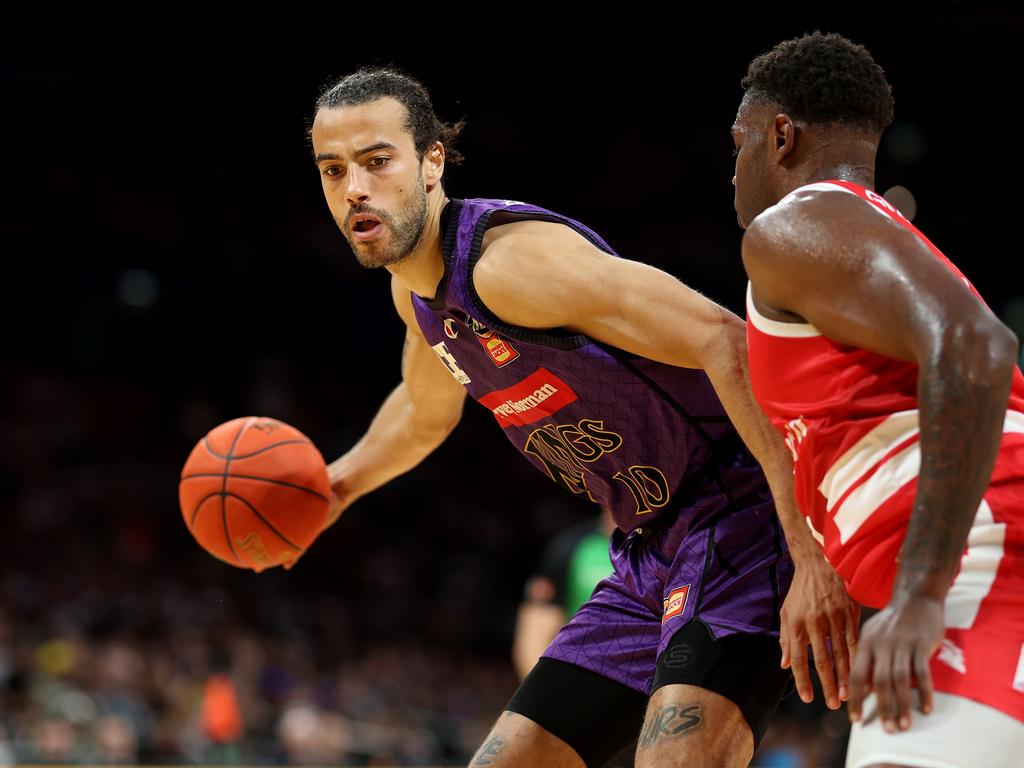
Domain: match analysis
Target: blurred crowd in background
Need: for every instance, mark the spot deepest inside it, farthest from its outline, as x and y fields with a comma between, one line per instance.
x=127, y=643
x=388, y=644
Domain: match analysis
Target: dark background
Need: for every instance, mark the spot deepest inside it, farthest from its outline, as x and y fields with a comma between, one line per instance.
x=169, y=263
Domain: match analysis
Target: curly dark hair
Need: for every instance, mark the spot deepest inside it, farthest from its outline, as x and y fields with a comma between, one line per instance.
x=823, y=78
x=371, y=83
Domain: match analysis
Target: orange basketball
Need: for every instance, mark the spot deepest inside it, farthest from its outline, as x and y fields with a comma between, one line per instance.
x=254, y=492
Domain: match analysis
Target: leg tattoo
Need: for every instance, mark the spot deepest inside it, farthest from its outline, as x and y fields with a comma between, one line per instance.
x=489, y=751
x=669, y=722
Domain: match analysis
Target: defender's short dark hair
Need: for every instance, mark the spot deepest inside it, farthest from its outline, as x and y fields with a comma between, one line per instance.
x=372, y=83
x=823, y=78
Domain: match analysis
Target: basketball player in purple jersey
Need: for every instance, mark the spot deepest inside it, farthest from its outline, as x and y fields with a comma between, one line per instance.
x=619, y=383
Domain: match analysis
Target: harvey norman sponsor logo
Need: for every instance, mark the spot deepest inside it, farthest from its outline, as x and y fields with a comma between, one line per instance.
x=528, y=403
x=537, y=396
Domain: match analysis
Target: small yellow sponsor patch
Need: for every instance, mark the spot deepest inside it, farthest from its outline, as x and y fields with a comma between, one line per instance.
x=675, y=603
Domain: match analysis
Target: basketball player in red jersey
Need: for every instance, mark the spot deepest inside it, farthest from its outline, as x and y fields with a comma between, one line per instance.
x=896, y=390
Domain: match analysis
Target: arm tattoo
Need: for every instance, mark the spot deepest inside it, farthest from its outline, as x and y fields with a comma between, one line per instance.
x=669, y=722
x=489, y=751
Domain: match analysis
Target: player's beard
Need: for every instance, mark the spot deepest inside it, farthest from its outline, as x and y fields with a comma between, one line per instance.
x=405, y=229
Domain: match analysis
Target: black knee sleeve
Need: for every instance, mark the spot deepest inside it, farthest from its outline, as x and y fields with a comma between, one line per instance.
x=742, y=668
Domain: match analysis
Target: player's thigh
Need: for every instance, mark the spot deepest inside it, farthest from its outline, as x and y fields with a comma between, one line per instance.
x=516, y=740
x=959, y=733
x=713, y=698
x=563, y=708
x=693, y=727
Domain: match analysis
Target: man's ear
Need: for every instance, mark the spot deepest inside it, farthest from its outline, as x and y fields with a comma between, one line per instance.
x=433, y=165
x=785, y=135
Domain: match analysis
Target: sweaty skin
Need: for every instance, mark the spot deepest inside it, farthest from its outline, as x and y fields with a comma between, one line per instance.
x=828, y=259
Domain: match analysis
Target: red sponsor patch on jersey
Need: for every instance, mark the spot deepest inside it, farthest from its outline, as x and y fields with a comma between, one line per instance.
x=498, y=349
x=675, y=603
x=537, y=396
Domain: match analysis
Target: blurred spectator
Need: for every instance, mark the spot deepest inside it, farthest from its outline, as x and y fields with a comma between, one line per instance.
x=569, y=569
x=116, y=741
x=221, y=720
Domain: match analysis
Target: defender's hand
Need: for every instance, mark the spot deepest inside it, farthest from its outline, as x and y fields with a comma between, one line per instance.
x=894, y=649
x=818, y=611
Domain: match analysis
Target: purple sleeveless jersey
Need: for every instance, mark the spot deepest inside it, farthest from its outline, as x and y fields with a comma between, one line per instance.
x=639, y=437
x=647, y=440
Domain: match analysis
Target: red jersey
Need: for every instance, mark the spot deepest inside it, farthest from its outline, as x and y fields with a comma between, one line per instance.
x=850, y=418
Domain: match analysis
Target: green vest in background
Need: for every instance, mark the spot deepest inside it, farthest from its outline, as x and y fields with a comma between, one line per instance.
x=588, y=564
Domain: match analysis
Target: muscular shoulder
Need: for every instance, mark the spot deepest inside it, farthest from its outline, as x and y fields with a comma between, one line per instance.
x=819, y=238
x=808, y=220
x=529, y=272
x=859, y=276
x=527, y=246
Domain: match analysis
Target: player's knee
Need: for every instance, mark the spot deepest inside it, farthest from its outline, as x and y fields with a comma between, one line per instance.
x=516, y=741
x=688, y=725
x=736, y=679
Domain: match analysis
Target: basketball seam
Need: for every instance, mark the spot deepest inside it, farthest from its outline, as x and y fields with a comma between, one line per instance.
x=260, y=479
x=195, y=509
x=224, y=490
x=266, y=522
x=206, y=444
x=229, y=494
